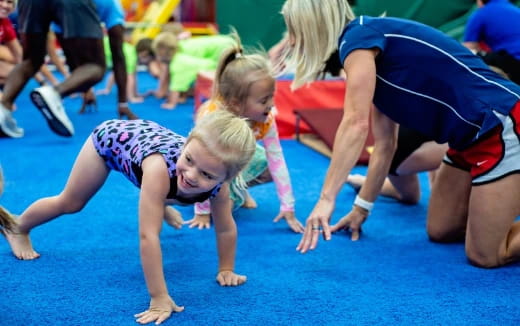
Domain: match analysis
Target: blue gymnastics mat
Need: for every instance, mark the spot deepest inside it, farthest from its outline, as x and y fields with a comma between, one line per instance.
x=89, y=272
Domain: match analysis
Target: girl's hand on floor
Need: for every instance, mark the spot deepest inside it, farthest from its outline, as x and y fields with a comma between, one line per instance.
x=160, y=309
x=200, y=221
x=291, y=220
x=229, y=278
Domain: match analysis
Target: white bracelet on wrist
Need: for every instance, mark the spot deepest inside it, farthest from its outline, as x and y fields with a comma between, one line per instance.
x=366, y=205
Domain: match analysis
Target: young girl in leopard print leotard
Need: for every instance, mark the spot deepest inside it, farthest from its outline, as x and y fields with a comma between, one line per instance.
x=168, y=169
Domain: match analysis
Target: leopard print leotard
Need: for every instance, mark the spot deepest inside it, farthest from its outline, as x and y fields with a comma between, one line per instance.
x=124, y=144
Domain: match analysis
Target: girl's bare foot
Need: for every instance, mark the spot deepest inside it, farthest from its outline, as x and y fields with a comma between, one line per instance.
x=20, y=244
x=168, y=106
x=173, y=217
x=249, y=202
x=136, y=99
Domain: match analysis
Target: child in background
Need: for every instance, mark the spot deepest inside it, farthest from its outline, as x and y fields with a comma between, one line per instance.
x=131, y=54
x=414, y=153
x=244, y=85
x=145, y=52
x=181, y=61
x=10, y=48
x=168, y=169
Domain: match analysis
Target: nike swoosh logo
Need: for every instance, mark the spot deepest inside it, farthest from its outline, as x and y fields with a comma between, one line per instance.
x=481, y=162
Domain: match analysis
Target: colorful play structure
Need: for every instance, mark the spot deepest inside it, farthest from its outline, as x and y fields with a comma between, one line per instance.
x=146, y=17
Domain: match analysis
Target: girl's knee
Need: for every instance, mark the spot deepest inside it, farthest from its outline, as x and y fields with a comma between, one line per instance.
x=74, y=207
x=70, y=206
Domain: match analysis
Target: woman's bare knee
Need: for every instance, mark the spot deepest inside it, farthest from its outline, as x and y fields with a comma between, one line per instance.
x=445, y=234
x=482, y=260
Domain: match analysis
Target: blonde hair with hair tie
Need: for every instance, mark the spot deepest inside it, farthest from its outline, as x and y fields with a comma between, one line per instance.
x=236, y=72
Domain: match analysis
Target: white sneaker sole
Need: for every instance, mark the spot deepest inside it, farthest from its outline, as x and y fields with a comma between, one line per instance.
x=4, y=132
x=62, y=128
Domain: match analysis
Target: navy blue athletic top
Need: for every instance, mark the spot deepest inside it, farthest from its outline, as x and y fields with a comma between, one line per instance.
x=430, y=82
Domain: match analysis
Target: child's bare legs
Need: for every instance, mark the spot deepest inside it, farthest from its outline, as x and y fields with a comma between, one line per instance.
x=356, y=181
x=131, y=90
x=87, y=176
x=249, y=202
x=404, y=188
x=264, y=177
x=164, y=80
x=154, y=68
x=171, y=100
x=108, y=85
x=173, y=217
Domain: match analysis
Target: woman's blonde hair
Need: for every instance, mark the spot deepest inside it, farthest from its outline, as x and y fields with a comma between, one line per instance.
x=227, y=137
x=314, y=27
x=236, y=72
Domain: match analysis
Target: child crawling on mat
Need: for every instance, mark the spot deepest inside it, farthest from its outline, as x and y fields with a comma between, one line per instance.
x=169, y=170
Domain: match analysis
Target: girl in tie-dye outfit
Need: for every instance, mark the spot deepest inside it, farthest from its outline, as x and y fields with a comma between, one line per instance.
x=244, y=84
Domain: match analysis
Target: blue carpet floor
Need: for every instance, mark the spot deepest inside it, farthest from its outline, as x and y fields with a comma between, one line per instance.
x=89, y=271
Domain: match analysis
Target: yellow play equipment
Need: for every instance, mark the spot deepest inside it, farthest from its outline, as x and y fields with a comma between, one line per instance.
x=136, y=8
x=157, y=14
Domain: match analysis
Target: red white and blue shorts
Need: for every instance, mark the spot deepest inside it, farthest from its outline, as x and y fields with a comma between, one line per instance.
x=496, y=155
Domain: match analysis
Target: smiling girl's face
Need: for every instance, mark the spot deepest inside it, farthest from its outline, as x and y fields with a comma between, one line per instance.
x=198, y=170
